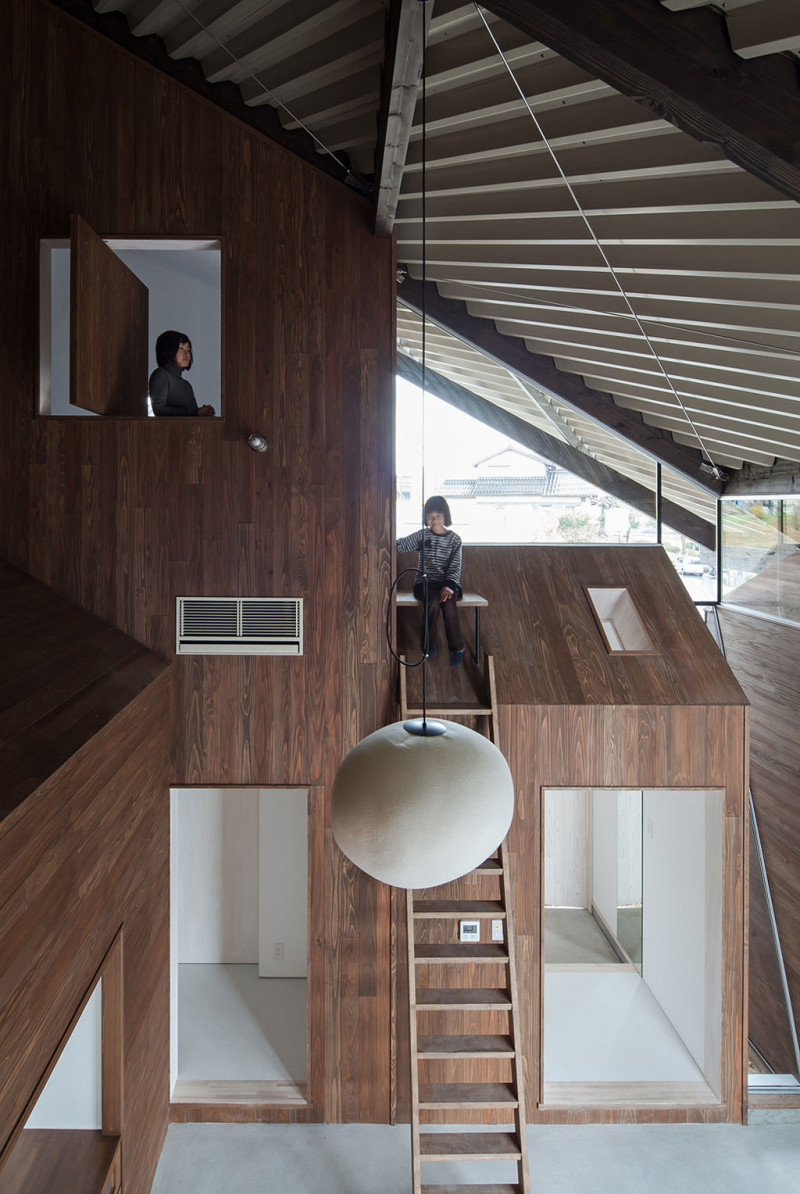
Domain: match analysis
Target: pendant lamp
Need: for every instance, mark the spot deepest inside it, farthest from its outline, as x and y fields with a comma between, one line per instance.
x=421, y=802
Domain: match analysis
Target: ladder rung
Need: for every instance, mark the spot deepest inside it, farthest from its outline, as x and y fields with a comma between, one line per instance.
x=492, y=1188
x=453, y=711
x=466, y=998
x=435, y=1096
x=472, y=1045
x=453, y=954
x=490, y=867
x=469, y=1146
x=429, y=909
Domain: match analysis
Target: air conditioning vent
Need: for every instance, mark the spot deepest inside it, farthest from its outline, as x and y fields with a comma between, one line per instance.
x=240, y=625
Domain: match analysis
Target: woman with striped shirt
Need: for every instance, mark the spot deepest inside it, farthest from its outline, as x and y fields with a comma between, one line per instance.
x=442, y=565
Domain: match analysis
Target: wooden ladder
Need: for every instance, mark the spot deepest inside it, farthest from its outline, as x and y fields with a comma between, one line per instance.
x=452, y=712
x=501, y=1052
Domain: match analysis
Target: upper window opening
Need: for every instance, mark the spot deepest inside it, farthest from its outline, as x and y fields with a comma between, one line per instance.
x=620, y=624
x=104, y=302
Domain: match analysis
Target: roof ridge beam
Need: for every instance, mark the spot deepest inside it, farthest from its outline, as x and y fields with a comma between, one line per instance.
x=406, y=35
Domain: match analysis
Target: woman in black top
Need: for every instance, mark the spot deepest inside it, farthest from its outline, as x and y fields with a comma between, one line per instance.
x=443, y=569
x=170, y=394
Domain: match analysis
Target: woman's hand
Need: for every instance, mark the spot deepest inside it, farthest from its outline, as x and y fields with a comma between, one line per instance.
x=446, y=594
x=206, y=410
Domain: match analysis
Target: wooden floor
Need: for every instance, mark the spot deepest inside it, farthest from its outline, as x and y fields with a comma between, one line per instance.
x=66, y=1161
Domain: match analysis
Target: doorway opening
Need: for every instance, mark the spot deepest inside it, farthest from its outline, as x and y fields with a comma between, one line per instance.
x=632, y=947
x=239, y=945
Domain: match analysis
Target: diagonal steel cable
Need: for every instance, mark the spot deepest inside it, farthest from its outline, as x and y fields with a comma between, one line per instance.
x=712, y=466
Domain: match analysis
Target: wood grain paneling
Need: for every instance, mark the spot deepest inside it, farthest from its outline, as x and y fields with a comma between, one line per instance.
x=123, y=515
x=66, y=1160
x=764, y=655
x=108, y=329
x=86, y=853
x=63, y=676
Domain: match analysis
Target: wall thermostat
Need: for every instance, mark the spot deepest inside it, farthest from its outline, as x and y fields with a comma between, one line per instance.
x=469, y=930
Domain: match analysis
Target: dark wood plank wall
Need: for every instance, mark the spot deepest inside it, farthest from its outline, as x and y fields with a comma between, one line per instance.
x=121, y=515
x=764, y=657
x=86, y=854
x=63, y=676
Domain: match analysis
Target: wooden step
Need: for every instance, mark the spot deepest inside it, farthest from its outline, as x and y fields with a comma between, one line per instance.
x=473, y=1045
x=430, y=909
x=438, y=1095
x=453, y=711
x=492, y=1188
x=465, y=998
x=490, y=867
x=453, y=954
x=469, y=1146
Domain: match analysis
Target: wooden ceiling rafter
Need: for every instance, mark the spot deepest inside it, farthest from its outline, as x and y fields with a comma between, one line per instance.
x=683, y=70
x=567, y=388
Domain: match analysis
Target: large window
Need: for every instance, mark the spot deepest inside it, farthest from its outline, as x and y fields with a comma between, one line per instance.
x=499, y=491
x=761, y=555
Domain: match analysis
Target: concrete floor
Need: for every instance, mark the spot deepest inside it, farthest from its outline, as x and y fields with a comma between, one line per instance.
x=573, y=936
x=362, y=1159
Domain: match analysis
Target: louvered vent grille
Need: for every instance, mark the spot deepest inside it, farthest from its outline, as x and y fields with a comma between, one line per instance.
x=240, y=626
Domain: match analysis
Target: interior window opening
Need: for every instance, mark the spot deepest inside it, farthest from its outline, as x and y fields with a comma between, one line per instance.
x=98, y=327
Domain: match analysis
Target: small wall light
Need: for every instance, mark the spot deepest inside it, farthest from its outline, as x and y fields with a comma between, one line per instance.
x=257, y=442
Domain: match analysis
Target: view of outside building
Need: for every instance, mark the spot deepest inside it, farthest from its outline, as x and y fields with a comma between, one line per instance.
x=501, y=492
x=761, y=555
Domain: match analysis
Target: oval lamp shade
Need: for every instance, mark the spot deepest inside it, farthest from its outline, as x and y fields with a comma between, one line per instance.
x=416, y=811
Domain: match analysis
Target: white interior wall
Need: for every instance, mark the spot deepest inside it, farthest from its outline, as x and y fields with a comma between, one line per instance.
x=629, y=847
x=184, y=294
x=566, y=883
x=604, y=854
x=184, y=288
x=73, y=1094
x=681, y=943
x=215, y=882
x=283, y=883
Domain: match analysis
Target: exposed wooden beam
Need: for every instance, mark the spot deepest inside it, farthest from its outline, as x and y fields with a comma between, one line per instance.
x=188, y=71
x=579, y=463
x=683, y=68
x=569, y=389
x=753, y=480
x=406, y=34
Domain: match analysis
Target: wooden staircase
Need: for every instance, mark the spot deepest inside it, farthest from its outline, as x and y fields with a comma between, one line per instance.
x=476, y=1073
x=484, y=711
x=497, y=1054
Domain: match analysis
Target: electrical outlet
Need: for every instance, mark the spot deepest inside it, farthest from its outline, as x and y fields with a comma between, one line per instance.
x=497, y=930
x=469, y=930
x=277, y=951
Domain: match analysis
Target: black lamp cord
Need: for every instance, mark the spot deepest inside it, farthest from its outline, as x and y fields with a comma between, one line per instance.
x=423, y=574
